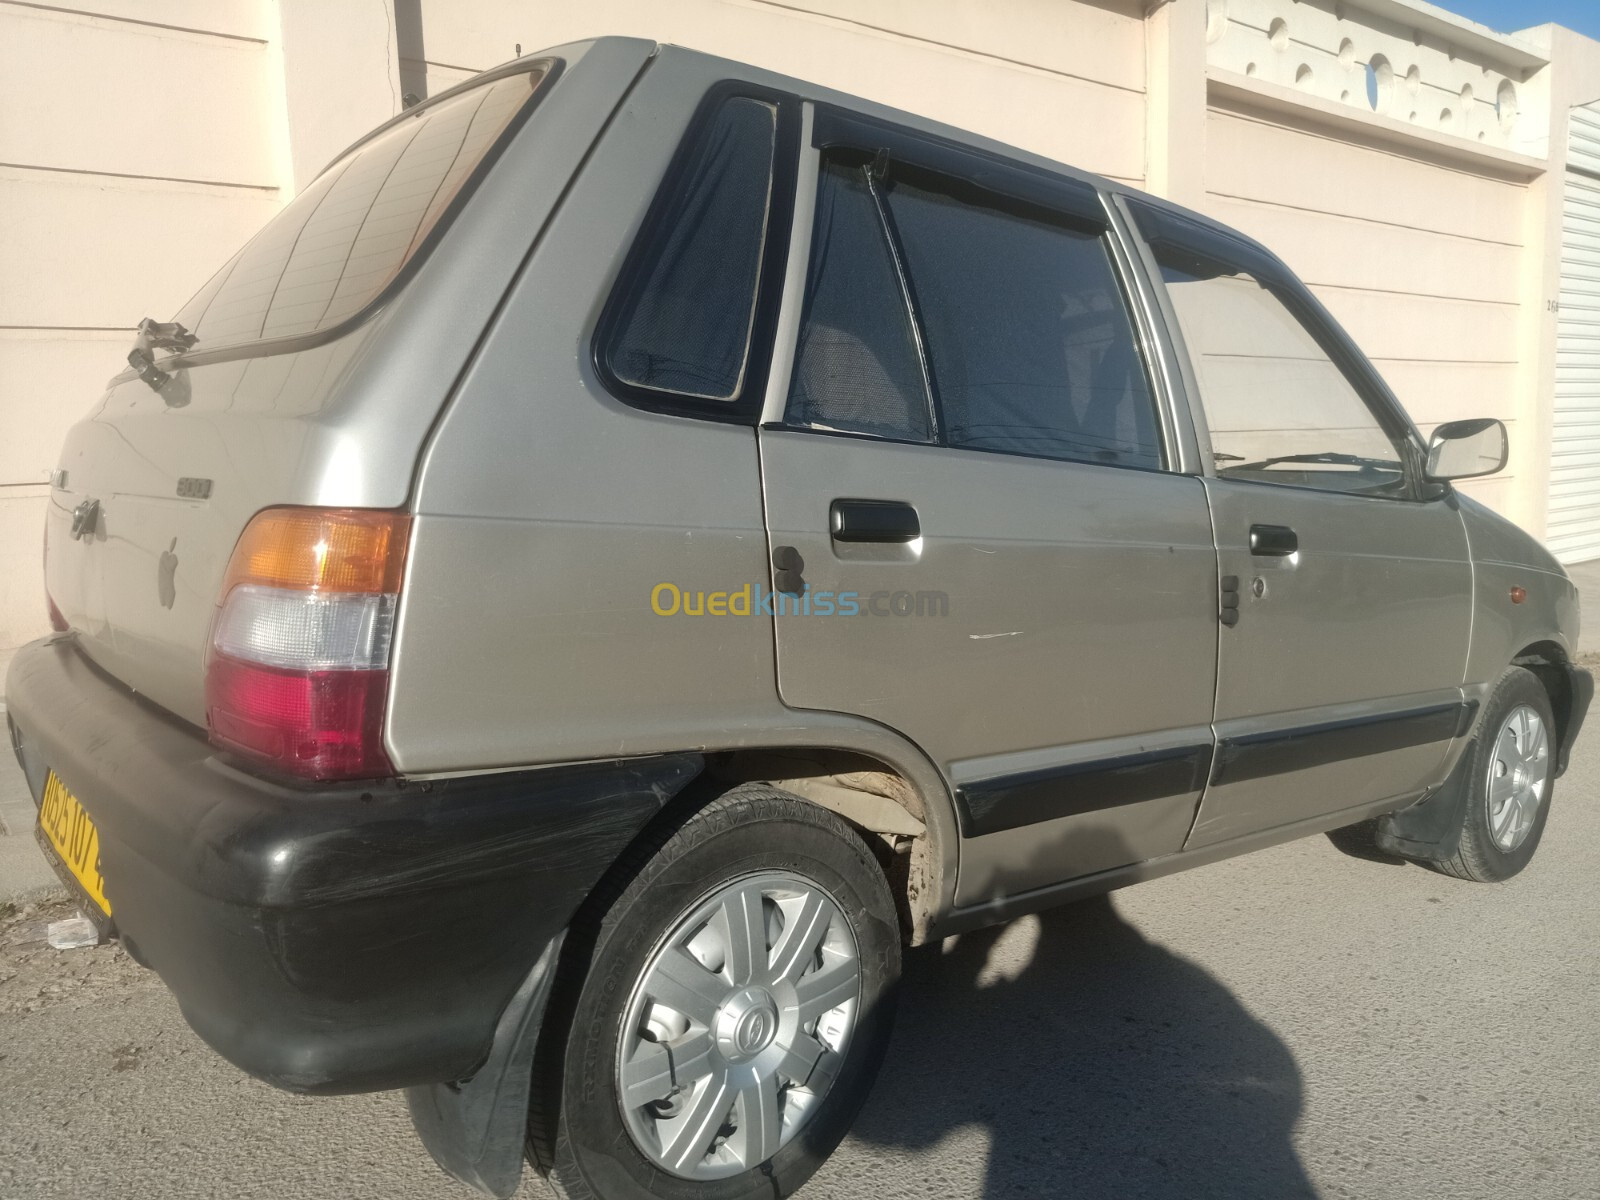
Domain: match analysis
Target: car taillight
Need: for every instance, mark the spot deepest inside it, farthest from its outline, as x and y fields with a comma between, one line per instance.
x=58, y=622
x=299, y=664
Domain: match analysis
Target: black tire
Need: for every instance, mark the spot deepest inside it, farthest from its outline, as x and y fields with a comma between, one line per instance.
x=577, y=1135
x=1477, y=857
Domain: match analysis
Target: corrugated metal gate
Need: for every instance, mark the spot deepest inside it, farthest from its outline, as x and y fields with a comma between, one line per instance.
x=1574, y=528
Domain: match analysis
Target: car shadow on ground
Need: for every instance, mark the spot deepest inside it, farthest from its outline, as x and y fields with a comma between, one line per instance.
x=1101, y=1065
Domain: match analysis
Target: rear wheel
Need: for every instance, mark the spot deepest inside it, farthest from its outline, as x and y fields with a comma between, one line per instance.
x=734, y=1006
x=1511, y=772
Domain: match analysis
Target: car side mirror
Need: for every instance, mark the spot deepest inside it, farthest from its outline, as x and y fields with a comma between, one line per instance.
x=1467, y=449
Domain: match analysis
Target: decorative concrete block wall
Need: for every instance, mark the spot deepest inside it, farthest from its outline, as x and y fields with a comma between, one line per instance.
x=1428, y=69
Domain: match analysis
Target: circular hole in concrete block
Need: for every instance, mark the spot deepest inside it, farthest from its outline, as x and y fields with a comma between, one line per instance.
x=1380, y=83
x=1216, y=19
x=1302, y=75
x=1505, y=104
x=1278, y=34
x=1347, y=54
x=1447, y=119
x=1249, y=68
x=1414, y=79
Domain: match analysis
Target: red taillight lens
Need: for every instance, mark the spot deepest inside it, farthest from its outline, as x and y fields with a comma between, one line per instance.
x=298, y=671
x=321, y=724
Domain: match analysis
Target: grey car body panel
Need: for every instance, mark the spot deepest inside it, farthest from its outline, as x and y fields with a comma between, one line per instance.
x=251, y=426
x=1504, y=557
x=1374, y=611
x=1062, y=580
x=536, y=564
x=338, y=424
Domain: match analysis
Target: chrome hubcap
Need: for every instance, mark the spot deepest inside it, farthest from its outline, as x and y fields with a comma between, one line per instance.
x=738, y=1026
x=1518, y=769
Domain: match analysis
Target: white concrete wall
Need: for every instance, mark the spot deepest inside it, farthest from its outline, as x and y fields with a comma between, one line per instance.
x=1058, y=77
x=144, y=140
x=136, y=161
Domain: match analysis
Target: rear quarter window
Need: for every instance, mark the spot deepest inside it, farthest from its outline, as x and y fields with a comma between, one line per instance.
x=335, y=248
x=686, y=326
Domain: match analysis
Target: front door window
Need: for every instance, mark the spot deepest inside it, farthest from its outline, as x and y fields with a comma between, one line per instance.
x=1279, y=408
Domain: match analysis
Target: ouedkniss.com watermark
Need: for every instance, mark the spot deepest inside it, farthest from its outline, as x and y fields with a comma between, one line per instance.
x=755, y=600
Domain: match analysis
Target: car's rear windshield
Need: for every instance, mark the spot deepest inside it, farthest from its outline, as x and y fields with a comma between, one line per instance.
x=336, y=246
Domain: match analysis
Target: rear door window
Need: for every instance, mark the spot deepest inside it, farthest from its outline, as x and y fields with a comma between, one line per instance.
x=332, y=251
x=937, y=311
x=857, y=366
x=1029, y=340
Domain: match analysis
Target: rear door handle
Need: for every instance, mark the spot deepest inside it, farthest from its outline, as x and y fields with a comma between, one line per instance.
x=1273, y=541
x=873, y=521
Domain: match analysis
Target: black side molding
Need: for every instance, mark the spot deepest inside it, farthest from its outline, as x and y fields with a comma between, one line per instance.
x=1011, y=801
x=1280, y=750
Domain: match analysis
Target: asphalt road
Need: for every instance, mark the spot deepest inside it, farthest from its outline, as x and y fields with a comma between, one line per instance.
x=1295, y=1022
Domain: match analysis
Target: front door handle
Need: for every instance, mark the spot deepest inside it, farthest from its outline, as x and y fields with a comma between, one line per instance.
x=1273, y=541
x=873, y=521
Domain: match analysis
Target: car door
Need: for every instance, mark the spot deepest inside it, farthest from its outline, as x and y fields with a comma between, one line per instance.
x=977, y=537
x=1346, y=584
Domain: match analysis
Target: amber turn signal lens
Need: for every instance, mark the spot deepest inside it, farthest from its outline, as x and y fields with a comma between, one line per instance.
x=321, y=549
x=1518, y=595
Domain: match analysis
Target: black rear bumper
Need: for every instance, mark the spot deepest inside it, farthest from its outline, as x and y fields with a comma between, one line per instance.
x=326, y=939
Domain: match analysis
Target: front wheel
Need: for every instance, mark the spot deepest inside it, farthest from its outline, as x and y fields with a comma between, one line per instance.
x=735, y=1004
x=1511, y=772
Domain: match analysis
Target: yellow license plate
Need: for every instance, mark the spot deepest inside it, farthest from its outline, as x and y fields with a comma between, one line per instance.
x=73, y=836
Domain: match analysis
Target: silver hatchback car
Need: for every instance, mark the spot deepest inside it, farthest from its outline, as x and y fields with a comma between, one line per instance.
x=639, y=540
